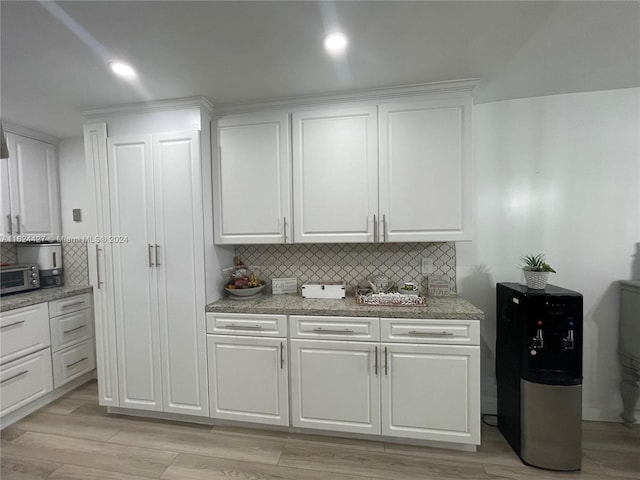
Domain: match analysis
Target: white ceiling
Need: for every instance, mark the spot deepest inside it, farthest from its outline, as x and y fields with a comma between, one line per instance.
x=53, y=63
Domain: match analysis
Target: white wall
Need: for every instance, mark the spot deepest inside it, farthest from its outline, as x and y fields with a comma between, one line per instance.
x=73, y=185
x=559, y=175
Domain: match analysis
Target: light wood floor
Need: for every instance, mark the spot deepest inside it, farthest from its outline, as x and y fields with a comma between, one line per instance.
x=75, y=439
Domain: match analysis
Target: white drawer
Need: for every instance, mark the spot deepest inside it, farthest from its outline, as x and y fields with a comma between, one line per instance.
x=69, y=304
x=67, y=330
x=72, y=362
x=455, y=332
x=24, y=380
x=335, y=328
x=247, y=324
x=23, y=330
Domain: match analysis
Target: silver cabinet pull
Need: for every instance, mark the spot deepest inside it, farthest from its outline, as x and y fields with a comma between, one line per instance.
x=386, y=362
x=74, y=329
x=12, y=324
x=24, y=372
x=157, y=261
x=375, y=229
x=327, y=330
x=285, y=229
x=430, y=334
x=384, y=228
x=53, y=255
x=375, y=368
x=72, y=304
x=18, y=224
x=281, y=355
x=98, y=266
x=151, y=264
x=76, y=363
x=243, y=327
x=10, y=224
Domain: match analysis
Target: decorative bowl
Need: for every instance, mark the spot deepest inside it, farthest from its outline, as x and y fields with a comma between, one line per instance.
x=244, y=292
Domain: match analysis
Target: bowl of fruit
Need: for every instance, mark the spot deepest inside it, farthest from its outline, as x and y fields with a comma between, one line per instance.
x=243, y=282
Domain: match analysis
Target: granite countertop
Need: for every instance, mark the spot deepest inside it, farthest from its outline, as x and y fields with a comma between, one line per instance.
x=437, y=307
x=17, y=300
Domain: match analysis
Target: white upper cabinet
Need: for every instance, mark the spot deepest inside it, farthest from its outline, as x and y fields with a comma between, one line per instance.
x=335, y=175
x=30, y=194
x=425, y=171
x=253, y=179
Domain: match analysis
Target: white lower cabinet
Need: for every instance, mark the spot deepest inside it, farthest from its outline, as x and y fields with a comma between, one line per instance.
x=431, y=392
x=335, y=385
x=248, y=379
x=73, y=362
x=24, y=380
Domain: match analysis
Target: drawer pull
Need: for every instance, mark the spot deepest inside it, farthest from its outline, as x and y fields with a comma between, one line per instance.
x=74, y=329
x=233, y=326
x=76, y=363
x=376, y=360
x=72, y=304
x=281, y=355
x=12, y=324
x=15, y=376
x=327, y=330
x=431, y=334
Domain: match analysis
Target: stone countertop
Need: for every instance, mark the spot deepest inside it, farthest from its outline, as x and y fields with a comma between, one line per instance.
x=17, y=300
x=454, y=308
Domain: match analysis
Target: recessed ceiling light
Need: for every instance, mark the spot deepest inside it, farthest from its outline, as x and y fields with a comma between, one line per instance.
x=122, y=69
x=335, y=42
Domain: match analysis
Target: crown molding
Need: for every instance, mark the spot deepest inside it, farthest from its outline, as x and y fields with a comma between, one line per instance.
x=27, y=132
x=149, y=107
x=456, y=87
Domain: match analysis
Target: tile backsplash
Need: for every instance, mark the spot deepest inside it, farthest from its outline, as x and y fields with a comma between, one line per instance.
x=353, y=263
x=76, y=269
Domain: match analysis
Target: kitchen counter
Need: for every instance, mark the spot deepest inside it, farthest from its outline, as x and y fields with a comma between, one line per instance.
x=437, y=307
x=17, y=300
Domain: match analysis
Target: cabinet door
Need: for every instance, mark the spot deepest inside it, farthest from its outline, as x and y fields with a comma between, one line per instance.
x=431, y=392
x=5, y=201
x=254, y=180
x=35, y=200
x=425, y=174
x=135, y=286
x=335, y=175
x=335, y=386
x=248, y=379
x=178, y=254
x=100, y=263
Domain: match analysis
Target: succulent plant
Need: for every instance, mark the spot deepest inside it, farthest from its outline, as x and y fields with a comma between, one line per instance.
x=536, y=263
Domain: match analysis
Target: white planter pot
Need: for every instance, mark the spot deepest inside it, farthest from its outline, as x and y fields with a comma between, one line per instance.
x=536, y=280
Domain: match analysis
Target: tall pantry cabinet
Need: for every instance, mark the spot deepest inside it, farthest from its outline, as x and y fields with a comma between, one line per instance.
x=151, y=179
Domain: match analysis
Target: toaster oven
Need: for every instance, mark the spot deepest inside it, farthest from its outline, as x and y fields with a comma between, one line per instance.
x=18, y=278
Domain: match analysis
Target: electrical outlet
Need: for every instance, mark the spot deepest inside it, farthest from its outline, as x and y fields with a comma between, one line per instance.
x=426, y=266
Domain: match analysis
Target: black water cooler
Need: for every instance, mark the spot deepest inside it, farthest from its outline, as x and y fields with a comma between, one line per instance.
x=539, y=374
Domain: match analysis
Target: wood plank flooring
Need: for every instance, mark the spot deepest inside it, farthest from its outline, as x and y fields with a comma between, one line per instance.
x=75, y=439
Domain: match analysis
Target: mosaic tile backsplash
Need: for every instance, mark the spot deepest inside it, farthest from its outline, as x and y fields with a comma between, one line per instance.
x=353, y=263
x=74, y=255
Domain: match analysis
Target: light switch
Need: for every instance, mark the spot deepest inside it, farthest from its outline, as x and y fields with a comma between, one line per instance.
x=77, y=215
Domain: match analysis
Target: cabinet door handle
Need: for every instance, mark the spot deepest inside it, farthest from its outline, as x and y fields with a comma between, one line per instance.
x=157, y=249
x=12, y=324
x=76, y=363
x=233, y=326
x=323, y=330
x=53, y=257
x=18, y=224
x=74, y=329
x=285, y=229
x=430, y=334
x=72, y=304
x=376, y=361
x=10, y=224
x=386, y=362
x=98, y=266
x=24, y=372
x=281, y=355
x=150, y=247
x=375, y=229
x=384, y=228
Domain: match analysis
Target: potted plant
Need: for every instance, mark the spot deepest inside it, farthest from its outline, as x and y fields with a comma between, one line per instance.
x=536, y=271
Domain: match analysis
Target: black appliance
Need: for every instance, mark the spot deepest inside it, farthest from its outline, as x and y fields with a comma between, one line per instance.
x=539, y=374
